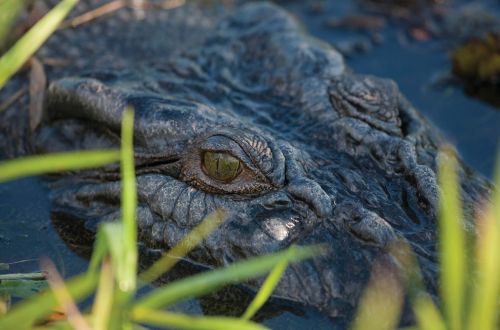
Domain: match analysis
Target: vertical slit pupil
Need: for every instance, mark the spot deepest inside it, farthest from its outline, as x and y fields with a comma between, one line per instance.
x=221, y=166
x=217, y=168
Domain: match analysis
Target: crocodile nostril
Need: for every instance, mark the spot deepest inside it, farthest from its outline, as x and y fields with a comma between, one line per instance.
x=278, y=201
x=282, y=203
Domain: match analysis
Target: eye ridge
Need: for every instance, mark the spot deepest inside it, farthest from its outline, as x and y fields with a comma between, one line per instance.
x=221, y=166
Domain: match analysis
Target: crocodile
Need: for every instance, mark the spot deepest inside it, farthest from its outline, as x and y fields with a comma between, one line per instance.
x=253, y=116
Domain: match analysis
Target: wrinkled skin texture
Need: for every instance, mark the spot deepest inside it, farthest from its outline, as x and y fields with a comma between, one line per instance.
x=326, y=155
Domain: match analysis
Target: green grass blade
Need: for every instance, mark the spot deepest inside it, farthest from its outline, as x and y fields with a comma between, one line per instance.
x=427, y=314
x=103, y=303
x=14, y=59
x=191, y=240
x=99, y=250
x=116, y=248
x=382, y=301
x=9, y=11
x=35, y=165
x=26, y=313
x=207, y=282
x=484, y=309
x=179, y=321
x=452, y=242
x=129, y=203
x=496, y=192
x=266, y=290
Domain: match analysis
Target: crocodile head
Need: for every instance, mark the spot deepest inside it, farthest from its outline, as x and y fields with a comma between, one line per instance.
x=268, y=124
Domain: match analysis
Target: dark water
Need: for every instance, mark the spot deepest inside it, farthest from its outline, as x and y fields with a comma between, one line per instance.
x=472, y=125
x=26, y=232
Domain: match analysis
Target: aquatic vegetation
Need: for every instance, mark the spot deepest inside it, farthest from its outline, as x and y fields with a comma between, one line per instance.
x=478, y=60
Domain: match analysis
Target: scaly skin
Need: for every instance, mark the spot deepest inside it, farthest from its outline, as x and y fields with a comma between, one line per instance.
x=326, y=155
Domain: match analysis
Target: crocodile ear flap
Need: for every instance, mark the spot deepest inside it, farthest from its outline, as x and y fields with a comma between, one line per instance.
x=80, y=113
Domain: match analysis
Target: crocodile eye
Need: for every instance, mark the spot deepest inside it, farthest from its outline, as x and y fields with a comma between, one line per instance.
x=221, y=166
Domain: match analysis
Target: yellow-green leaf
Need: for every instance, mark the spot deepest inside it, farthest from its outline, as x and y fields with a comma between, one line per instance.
x=427, y=314
x=451, y=242
x=15, y=57
x=179, y=321
x=51, y=163
x=266, y=290
x=9, y=11
x=207, y=282
x=103, y=302
x=484, y=309
x=129, y=203
x=191, y=240
x=381, y=303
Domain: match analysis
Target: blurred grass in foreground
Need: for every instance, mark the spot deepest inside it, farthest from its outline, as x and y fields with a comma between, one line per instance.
x=470, y=297
x=469, y=289
x=29, y=43
x=9, y=11
x=112, y=272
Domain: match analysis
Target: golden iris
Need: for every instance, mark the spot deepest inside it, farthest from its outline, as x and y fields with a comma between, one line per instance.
x=221, y=166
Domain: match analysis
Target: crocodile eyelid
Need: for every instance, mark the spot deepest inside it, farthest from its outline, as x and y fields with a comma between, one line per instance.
x=260, y=153
x=224, y=144
x=250, y=179
x=253, y=150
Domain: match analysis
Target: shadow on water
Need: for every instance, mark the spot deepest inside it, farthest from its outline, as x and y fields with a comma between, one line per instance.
x=474, y=126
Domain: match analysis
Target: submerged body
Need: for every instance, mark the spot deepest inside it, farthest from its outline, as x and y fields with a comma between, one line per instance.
x=257, y=118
